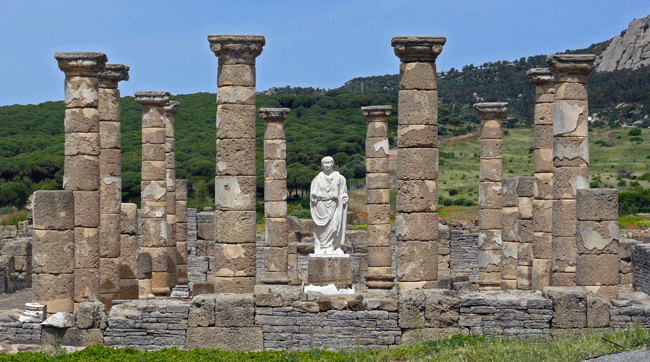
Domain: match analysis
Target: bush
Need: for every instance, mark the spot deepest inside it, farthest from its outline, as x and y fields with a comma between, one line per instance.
x=453, y=192
x=622, y=183
x=636, y=139
x=635, y=132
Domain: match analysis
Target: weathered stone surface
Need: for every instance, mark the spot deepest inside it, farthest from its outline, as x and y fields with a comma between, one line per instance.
x=570, y=118
x=564, y=254
x=236, y=157
x=379, y=235
x=440, y=308
x=542, y=245
x=490, y=219
x=109, y=234
x=86, y=253
x=234, y=310
x=224, y=338
x=377, y=147
x=417, y=164
x=377, y=181
x=569, y=306
x=234, y=260
x=491, y=130
x=53, y=251
x=597, y=237
x=418, y=107
x=236, y=121
x=60, y=320
x=378, y=196
x=491, y=148
x=597, y=312
x=543, y=216
x=491, y=170
x=235, y=226
x=564, y=218
x=324, y=270
x=418, y=75
x=509, y=191
x=236, y=285
x=543, y=160
x=542, y=271
x=571, y=152
x=417, y=196
x=416, y=226
x=237, y=95
x=417, y=261
x=597, y=270
x=568, y=180
x=376, y=165
x=543, y=137
x=81, y=173
x=202, y=311
x=91, y=315
x=417, y=136
x=128, y=218
x=86, y=284
x=239, y=75
x=71, y=336
x=597, y=204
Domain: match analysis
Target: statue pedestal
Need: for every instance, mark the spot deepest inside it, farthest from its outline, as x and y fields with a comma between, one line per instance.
x=330, y=269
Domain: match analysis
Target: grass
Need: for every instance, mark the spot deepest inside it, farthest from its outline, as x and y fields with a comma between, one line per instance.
x=574, y=347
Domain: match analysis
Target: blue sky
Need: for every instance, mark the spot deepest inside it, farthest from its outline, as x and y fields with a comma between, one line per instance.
x=308, y=43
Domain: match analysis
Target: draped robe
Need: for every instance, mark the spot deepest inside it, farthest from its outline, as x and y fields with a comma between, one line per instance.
x=329, y=212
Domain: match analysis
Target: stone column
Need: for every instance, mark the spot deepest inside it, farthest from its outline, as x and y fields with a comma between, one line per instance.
x=110, y=186
x=543, y=190
x=597, y=245
x=416, y=223
x=509, y=226
x=570, y=156
x=491, y=196
x=525, y=191
x=181, y=231
x=129, y=284
x=81, y=164
x=171, y=108
x=274, y=250
x=380, y=271
x=235, y=181
x=53, y=253
x=154, y=190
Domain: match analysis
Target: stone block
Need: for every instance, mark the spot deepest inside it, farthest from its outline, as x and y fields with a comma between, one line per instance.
x=541, y=273
x=275, y=259
x=110, y=197
x=55, y=291
x=379, y=256
x=525, y=254
x=129, y=218
x=326, y=269
x=570, y=118
x=240, y=75
x=418, y=107
x=543, y=160
x=128, y=289
x=490, y=240
x=154, y=232
x=510, y=223
x=562, y=279
x=542, y=245
x=81, y=173
x=86, y=252
x=597, y=237
x=418, y=76
x=53, y=252
x=416, y=196
x=377, y=181
x=143, y=264
x=597, y=270
x=236, y=121
x=378, y=196
x=236, y=157
x=154, y=136
x=160, y=259
x=235, y=227
x=573, y=91
x=543, y=189
x=416, y=226
x=275, y=209
x=181, y=210
x=202, y=311
x=569, y=306
x=377, y=147
x=201, y=288
x=376, y=165
x=525, y=186
x=571, y=152
x=377, y=127
x=543, y=216
x=491, y=170
x=490, y=219
x=564, y=218
x=227, y=339
x=417, y=136
x=509, y=191
x=608, y=292
x=109, y=135
x=181, y=231
x=109, y=275
x=440, y=308
x=128, y=251
x=543, y=136
x=154, y=209
x=490, y=195
x=81, y=144
x=234, y=260
x=509, y=267
x=525, y=229
x=153, y=117
x=91, y=315
x=275, y=170
x=234, y=310
x=564, y=254
x=236, y=285
x=544, y=113
x=491, y=130
x=597, y=312
x=109, y=235
x=154, y=171
x=274, y=130
x=53, y=210
x=81, y=120
x=378, y=214
x=160, y=282
x=491, y=148
x=568, y=180
x=417, y=164
x=150, y=152
x=74, y=336
x=417, y=261
x=181, y=252
x=597, y=204
x=525, y=208
x=86, y=284
x=379, y=235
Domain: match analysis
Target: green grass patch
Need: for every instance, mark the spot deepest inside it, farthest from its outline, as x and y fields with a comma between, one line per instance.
x=628, y=222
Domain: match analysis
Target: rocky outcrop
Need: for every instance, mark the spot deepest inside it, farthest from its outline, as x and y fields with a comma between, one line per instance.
x=630, y=50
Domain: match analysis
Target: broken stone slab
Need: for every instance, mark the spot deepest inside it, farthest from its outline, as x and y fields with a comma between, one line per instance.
x=60, y=320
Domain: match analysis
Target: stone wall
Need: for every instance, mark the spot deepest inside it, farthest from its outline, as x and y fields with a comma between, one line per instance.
x=15, y=264
x=463, y=254
x=20, y=333
x=641, y=258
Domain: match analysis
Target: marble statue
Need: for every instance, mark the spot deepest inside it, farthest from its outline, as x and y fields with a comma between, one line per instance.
x=329, y=207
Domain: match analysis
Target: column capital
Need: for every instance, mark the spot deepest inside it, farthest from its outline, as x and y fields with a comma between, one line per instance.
x=377, y=111
x=571, y=63
x=540, y=76
x=152, y=98
x=418, y=48
x=236, y=48
x=87, y=64
x=491, y=110
x=113, y=74
x=274, y=114
x=172, y=107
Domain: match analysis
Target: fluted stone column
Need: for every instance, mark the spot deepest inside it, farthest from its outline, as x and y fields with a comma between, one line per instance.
x=235, y=181
x=81, y=164
x=491, y=196
x=544, y=84
x=181, y=231
x=598, y=235
x=110, y=173
x=525, y=191
x=171, y=108
x=380, y=271
x=275, y=245
x=570, y=156
x=416, y=222
x=53, y=251
x=154, y=190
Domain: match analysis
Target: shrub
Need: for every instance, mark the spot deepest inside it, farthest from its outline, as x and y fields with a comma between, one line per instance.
x=635, y=132
x=453, y=192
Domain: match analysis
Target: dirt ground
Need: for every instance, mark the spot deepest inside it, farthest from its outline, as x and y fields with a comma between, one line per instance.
x=12, y=305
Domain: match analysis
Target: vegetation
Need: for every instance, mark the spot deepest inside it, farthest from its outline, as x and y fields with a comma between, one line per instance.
x=455, y=348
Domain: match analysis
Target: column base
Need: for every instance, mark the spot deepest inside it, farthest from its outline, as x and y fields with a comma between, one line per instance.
x=376, y=280
x=275, y=278
x=144, y=289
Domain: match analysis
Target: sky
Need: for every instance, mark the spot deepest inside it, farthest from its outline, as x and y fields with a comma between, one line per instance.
x=308, y=43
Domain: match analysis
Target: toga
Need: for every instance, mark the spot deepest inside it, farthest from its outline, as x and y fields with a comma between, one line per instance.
x=329, y=207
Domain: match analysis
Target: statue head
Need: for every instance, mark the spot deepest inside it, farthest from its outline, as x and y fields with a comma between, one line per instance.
x=328, y=163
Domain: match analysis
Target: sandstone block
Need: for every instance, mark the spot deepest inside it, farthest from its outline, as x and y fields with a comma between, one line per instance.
x=544, y=114
x=525, y=229
x=509, y=267
x=153, y=193
x=525, y=208
x=81, y=144
x=86, y=254
x=417, y=136
x=274, y=131
x=417, y=164
x=81, y=173
x=154, y=136
x=181, y=252
x=128, y=251
x=510, y=223
x=235, y=310
x=324, y=270
x=275, y=259
x=524, y=254
x=275, y=150
x=241, y=75
x=597, y=204
x=110, y=195
x=160, y=282
x=417, y=196
x=597, y=237
x=236, y=157
x=227, y=339
x=154, y=171
x=569, y=306
x=378, y=214
x=81, y=120
x=509, y=191
x=234, y=285
x=571, y=152
x=491, y=130
x=109, y=106
x=275, y=169
x=597, y=312
x=380, y=196
x=128, y=218
x=109, y=236
x=154, y=232
x=491, y=170
x=543, y=189
x=543, y=160
x=109, y=275
x=53, y=210
x=597, y=269
x=86, y=284
x=490, y=240
x=275, y=209
x=573, y=91
x=543, y=216
x=377, y=147
x=161, y=259
x=377, y=181
x=564, y=218
x=564, y=254
x=543, y=136
x=491, y=148
x=376, y=165
x=418, y=107
x=202, y=311
x=570, y=118
x=544, y=94
x=379, y=235
x=608, y=292
x=128, y=289
x=170, y=207
x=236, y=121
x=235, y=260
x=276, y=232
x=236, y=96
x=181, y=189
x=235, y=193
x=525, y=187
x=490, y=219
x=416, y=226
x=153, y=117
x=181, y=231
x=541, y=273
x=377, y=128
x=143, y=264
x=55, y=291
x=418, y=75
x=417, y=261
x=379, y=256
x=53, y=252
